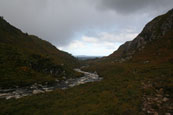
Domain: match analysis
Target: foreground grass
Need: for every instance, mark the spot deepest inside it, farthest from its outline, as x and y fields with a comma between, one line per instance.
x=120, y=92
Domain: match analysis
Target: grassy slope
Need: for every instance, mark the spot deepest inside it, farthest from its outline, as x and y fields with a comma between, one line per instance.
x=17, y=51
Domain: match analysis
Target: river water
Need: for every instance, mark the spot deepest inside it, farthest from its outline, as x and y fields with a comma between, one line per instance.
x=38, y=88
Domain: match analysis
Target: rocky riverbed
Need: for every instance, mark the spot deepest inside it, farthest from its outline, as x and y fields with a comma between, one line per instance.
x=39, y=88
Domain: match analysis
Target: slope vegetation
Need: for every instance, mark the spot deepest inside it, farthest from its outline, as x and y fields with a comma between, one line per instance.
x=26, y=59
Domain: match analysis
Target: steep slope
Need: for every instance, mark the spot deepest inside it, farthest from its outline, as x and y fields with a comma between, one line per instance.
x=26, y=59
x=159, y=51
x=158, y=28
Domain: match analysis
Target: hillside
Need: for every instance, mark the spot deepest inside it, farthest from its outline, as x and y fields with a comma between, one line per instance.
x=26, y=59
x=154, y=32
x=144, y=66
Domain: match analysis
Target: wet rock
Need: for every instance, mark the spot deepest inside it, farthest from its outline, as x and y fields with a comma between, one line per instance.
x=167, y=113
x=144, y=109
x=37, y=91
x=156, y=113
x=34, y=86
x=145, y=62
x=9, y=97
x=165, y=99
x=57, y=80
x=3, y=94
x=17, y=96
x=149, y=112
x=64, y=77
x=159, y=95
x=47, y=89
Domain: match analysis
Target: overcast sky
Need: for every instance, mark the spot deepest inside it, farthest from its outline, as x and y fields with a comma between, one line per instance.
x=83, y=27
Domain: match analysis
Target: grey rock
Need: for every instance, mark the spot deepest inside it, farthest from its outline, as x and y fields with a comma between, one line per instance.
x=165, y=99
x=167, y=113
x=37, y=91
x=155, y=113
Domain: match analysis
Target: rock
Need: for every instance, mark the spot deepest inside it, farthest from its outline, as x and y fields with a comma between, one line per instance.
x=3, y=94
x=155, y=99
x=17, y=96
x=149, y=112
x=158, y=95
x=155, y=113
x=167, y=114
x=37, y=91
x=57, y=80
x=48, y=90
x=64, y=77
x=9, y=97
x=145, y=62
x=66, y=82
x=144, y=109
x=165, y=99
x=167, y=95
x=158, y=105
x=34, y=86
x=161, y=89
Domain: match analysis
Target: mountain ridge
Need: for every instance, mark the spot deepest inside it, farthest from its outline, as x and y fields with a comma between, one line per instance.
x=155, y=29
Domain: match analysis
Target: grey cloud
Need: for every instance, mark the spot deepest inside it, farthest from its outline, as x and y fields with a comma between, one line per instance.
x=132, y=6
x=60, y=21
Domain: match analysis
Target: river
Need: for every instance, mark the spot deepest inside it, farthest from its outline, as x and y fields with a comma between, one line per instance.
x=38, y=88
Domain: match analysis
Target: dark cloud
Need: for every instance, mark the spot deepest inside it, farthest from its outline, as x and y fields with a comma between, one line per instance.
x=132, y=6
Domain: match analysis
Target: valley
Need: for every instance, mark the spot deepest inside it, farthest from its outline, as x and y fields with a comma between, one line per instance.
x=137, y=79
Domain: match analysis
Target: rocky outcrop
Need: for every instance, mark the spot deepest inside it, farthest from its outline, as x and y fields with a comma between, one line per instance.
x=155, y=29
x=157, y=102
x=45, y=65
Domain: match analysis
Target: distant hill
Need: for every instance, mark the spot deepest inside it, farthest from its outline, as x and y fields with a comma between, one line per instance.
x=84, y=57
x=26, y=59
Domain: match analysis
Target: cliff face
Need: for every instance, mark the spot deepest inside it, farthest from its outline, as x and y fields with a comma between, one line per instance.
x=155, y=29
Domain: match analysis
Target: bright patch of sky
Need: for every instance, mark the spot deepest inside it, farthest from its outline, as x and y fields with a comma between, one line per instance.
x=102, y=44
